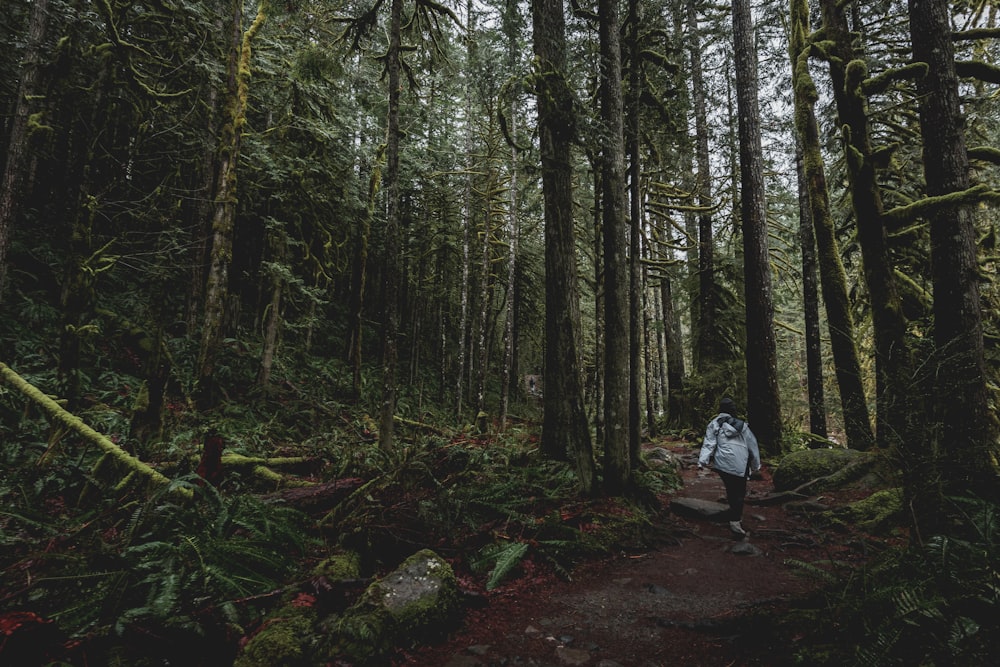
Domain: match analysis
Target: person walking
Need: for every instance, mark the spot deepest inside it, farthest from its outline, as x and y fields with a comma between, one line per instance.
x=730, y=448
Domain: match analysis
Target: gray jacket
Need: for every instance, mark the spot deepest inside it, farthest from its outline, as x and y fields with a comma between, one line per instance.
x=732, y=444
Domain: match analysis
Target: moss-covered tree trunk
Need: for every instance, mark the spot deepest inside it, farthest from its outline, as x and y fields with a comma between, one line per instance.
x=224, y=215
x=966, y=430
x=763, y=400
x=833, y=278
x=900, y=407
x=565, y=431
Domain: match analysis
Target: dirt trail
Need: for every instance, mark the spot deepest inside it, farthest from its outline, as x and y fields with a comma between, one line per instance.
x=699, y=600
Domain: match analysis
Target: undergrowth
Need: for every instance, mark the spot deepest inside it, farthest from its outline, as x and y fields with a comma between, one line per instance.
x=938, y=604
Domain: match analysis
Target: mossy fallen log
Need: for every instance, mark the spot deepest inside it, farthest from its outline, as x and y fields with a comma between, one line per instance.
x=56, y=412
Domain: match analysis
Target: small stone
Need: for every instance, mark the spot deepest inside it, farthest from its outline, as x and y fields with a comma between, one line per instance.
x=744, y=548
x=572, y=656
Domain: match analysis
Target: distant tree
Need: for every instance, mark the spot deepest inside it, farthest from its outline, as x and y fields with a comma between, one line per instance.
x=390, y=281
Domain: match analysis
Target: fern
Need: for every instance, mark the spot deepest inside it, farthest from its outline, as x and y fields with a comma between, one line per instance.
x=503, y=556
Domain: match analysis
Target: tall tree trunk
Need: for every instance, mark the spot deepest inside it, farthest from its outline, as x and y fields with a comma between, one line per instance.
x=512, y=294
x=649, y=365
x=224, y=216
x=857, y=422
x=390, y=350
x=201, y=213
x=634, y=257
x=674, y=345
x=464, y=334
x=966, y=434
x=706, y=344
x=763, y=399
x=598, y=228
x=815, y=394
x=359, y=275
x=617, y=379
x=15, y=166
x=895, y=407
x=565, y=432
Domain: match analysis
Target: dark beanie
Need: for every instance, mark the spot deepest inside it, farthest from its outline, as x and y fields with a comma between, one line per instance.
x=728, y=406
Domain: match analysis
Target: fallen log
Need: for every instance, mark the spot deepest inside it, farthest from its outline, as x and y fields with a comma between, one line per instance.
x=56, y=412
x=320, y=497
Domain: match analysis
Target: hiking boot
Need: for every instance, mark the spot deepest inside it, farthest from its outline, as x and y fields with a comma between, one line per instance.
x=737, y=528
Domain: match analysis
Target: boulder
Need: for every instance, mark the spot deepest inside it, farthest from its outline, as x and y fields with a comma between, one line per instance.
x=696, y=508
x=817, y=469
x=417, y=603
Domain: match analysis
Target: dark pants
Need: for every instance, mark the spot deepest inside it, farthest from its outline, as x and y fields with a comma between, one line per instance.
x=736, y=490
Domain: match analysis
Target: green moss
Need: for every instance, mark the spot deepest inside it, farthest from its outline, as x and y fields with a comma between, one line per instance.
x=339, y=567
x=879, y=511
x=283, y=642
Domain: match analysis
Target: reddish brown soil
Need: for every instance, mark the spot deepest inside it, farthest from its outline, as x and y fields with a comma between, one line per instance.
x=692, y=601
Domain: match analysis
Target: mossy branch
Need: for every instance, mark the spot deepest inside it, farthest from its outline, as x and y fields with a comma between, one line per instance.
x=974, y=34
x=985, y=154
x=976, y=69
x=879, y=84
x=975, y=195
x=71, y=421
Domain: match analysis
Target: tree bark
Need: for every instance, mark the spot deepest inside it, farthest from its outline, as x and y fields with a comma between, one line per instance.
x=565, y=432
x=15, y=165
x=617, y=375
x=763, y=399
x=967, y=431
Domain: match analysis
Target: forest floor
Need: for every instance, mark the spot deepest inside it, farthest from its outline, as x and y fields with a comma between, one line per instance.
x=700, y=597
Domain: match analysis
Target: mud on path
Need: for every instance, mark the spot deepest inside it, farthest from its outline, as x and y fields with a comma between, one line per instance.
x=702, y=598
